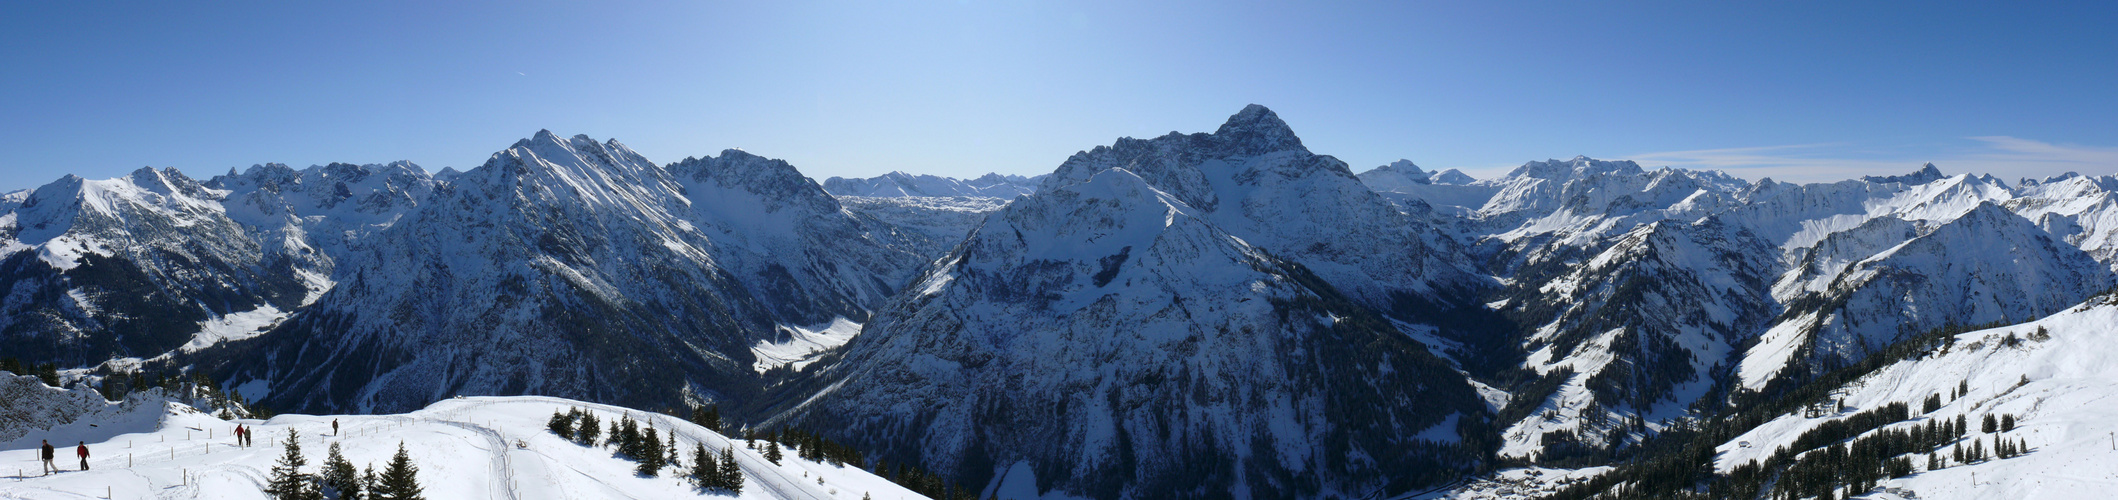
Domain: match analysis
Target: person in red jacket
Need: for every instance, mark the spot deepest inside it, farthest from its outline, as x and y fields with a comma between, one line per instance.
x=239, y=435
x=48, y=467
x=83, y=452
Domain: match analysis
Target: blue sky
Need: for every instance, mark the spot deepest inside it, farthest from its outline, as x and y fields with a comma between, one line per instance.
x=1791, y=90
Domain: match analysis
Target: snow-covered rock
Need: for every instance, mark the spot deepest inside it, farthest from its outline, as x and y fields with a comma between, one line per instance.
x=900, y=184
x=1109, y=336
x=559, y=265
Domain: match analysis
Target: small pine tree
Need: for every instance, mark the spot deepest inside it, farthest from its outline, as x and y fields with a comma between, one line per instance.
x=1986, y=424
x=589, y=430
x=731, y=473
x=649, y=448
x=561, y=424
x=772, y=452
x=341, y=480
x=400, y=480
x=287, y=481
x=2007, y=423
x=369, y=481
x=705, y=471
x=674, y=459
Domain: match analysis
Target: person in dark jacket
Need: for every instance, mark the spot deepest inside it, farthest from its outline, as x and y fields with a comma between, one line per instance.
x=48, y=467
x=83, y=452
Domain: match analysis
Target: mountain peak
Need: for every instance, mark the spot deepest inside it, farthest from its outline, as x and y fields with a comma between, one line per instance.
x=1256, y=130
x=1927, y=173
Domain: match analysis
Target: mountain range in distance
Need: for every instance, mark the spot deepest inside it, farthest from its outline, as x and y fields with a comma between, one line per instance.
x=1205, y=314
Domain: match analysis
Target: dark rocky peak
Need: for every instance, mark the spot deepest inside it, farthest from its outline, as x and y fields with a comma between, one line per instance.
x=167, y=182
x=773, y=179
x=1256, y=130
x=1926, y=174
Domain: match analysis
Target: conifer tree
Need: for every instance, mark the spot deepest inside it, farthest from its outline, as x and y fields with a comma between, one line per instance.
x=1986, y=424
x=731, y=473
x=673, y=459
x=2007, y=422
x=705, y=471
x=772, y=452
x=369, y=481
x=561, y=424
x=589, y=430
x=400, y=480
x=287, y=481
x=341, y=480
x=650, y=453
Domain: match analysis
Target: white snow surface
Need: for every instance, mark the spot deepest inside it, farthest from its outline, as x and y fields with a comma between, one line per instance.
x=483, y=447
x=2063, y=392
x=802, y=344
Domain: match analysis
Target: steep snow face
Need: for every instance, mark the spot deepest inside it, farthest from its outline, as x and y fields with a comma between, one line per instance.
x=132, y=266
x=1988, y=265
x=2055, y=375
x=900, y=184
x=552, y=267
x=1107, y=339
x=1255, y=180
x=495, y=448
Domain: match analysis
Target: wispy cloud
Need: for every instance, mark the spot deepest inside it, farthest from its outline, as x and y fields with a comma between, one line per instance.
x=2005, y=157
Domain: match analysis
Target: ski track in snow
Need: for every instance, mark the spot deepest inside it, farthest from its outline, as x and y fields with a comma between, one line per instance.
x=464, y=448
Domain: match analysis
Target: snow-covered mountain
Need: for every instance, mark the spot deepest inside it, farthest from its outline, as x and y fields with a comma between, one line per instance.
x=1987, y=265
x=141, y=265
x=1450, y=191
x=565, y=266
x=900, y=184
x=1226, y=309
x=1120, y=334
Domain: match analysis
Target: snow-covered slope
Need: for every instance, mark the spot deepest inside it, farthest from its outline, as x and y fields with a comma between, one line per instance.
x=1984, y=266
x=1107, y=337
x=900, y=184
x=465, y=448
x=2055, y=375
x=577, y=268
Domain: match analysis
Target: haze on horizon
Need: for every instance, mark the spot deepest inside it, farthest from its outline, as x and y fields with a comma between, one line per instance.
x=1801, y=93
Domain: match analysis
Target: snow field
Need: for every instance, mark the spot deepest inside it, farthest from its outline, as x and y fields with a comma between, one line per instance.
x=482, y=447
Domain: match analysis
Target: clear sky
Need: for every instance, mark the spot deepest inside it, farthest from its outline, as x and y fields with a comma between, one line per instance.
x=1791, y=90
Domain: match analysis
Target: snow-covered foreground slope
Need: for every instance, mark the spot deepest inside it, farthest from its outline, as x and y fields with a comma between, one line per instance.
x=2061, y=386
x=485, y=447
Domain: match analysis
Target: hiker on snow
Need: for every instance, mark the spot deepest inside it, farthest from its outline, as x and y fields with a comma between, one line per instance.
x=48, y=467
x=239, y=435
x=83, y=452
